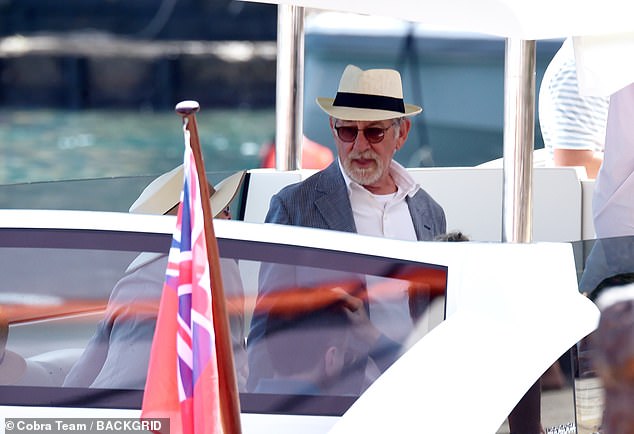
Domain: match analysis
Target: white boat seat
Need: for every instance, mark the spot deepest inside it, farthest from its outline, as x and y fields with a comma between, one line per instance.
x=471, y=198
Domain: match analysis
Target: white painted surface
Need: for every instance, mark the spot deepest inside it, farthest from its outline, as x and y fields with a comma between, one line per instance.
x=471, y=198
x=512, y=310
x=509, y=325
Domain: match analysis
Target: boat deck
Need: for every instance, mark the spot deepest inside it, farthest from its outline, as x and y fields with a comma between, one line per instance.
x=558, y=414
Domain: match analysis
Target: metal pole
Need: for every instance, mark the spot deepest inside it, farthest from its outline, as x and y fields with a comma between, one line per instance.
x=519, y=125
x=517, y=188
x=290, y=87
x=229, y=396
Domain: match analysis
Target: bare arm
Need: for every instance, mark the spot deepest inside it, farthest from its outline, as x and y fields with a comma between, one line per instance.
x=589, y=159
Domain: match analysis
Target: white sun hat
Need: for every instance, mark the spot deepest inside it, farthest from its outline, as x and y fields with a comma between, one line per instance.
x=370, y=95
x=163, y=194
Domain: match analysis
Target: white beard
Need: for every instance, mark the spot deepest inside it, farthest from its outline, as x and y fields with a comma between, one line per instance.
x=364, y=176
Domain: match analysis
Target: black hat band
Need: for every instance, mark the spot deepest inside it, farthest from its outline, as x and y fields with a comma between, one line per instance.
x=373, y=102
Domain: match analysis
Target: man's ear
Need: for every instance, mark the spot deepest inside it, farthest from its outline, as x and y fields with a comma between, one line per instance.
x=403, y=132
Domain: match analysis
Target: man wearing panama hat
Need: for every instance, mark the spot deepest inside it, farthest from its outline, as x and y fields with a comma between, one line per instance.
x=363, y=191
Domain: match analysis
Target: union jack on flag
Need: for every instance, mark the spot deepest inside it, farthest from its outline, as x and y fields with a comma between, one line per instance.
x=182, y=380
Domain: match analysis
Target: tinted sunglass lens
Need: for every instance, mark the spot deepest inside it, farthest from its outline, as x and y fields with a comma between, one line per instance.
x=347, y=134
x=374, y=135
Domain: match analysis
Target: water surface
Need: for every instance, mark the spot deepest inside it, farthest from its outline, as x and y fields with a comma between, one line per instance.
x=43, y=145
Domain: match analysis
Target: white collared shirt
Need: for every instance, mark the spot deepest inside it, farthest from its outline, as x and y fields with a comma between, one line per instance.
x=386, y=216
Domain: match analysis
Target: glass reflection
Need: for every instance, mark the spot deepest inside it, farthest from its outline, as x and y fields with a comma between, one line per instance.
x=381, y=311
x=77, y=322
x=606, y=279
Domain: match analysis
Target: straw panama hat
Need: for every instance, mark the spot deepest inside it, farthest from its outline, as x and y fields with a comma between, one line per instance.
x=164, y=193
x=371, y=95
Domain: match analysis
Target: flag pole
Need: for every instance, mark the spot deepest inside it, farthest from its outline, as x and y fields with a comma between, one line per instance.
x=229, y=397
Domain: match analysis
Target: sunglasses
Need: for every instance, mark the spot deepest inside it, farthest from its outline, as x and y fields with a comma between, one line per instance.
x=372, y=134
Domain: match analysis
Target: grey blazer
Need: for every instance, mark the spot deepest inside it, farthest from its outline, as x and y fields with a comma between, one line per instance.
x=322, y=201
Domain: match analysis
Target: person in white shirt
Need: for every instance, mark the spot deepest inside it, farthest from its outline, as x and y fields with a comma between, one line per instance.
x=364, y=191
x=572, y=125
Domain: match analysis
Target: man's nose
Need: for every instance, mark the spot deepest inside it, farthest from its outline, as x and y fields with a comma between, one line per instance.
x=361, y=142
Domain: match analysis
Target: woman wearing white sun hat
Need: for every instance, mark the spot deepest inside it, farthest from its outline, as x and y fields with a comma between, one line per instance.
x=117, y=355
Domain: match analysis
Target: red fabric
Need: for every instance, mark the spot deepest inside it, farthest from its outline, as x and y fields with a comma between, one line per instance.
x=314, y=155
x=160, y=399
x=182, y=379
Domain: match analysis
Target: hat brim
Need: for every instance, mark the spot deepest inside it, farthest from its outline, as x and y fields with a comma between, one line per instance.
x=362, y=114
x=163, y=194
x=226, y=191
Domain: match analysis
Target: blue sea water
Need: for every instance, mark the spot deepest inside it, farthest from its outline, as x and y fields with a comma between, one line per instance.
x=44, y=145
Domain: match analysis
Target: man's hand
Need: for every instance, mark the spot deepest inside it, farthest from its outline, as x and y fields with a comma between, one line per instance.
x=363, y=329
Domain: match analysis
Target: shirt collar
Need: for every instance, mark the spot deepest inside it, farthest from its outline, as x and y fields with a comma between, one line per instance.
x=402, y=178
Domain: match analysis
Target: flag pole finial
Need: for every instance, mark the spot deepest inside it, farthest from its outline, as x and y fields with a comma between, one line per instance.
x=186, y=108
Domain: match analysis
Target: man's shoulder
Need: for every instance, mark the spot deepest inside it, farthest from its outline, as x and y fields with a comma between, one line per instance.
x=313, y=183
x=427, y=205
x=300, y=187
x=423, y=197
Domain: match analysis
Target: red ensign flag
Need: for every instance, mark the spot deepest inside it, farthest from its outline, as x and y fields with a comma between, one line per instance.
x=182, y=379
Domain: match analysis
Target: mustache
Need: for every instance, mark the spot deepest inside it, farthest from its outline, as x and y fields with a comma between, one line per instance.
x=368, y=154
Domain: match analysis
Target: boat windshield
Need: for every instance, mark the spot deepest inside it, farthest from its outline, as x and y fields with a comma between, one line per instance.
x=311, y=328
x=91, y=194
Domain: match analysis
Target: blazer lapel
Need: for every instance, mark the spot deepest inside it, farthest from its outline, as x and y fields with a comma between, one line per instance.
x=334, y=203
x=419, y=216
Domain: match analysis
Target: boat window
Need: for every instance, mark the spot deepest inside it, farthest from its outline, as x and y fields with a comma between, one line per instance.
x=311, y=328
